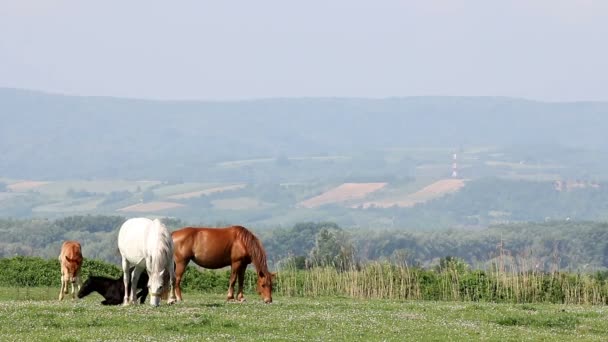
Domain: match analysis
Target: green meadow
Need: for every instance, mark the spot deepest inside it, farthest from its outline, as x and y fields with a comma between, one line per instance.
x=34, y=314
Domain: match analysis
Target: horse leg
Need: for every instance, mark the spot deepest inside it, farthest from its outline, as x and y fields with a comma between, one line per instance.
x=126, y=275
x=76, y=285
x=78, y=282
x=172, y=281
x=63, y=286
x=240, y=274
x=233, y=270
x=134, y=280
x=180, y=268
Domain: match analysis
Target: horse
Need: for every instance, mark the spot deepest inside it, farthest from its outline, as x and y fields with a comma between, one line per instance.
x=70, y=258
x=146, y=244
x=113, y=290
x=215, y=248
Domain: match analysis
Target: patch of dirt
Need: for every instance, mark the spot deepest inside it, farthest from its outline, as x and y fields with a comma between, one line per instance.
x=343, y=193
x=25, y=186
x=434, y=190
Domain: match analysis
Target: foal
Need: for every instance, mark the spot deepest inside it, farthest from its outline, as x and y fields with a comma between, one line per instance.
x=71, y=262
x=113, y=290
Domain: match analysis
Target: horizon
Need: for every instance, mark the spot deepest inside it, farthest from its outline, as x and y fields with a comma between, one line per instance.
x=255, y=99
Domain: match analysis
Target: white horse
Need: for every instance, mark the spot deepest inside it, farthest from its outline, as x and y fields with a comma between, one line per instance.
x=146, y=245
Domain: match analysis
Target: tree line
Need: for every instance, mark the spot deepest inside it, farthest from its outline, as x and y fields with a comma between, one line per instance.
x=547, y=246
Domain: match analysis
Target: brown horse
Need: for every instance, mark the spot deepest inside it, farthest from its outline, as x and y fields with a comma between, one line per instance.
x=70, y=259
x=215, y=248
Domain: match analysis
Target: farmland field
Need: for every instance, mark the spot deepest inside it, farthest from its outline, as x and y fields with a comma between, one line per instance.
x=24, y=186
x=207, y=191
x=34, y=314
x=343, y=193
x=434, y=190
x=150, y=207
x=176, y=189
x=100, y=186
x=74, y=206
x=238, y=203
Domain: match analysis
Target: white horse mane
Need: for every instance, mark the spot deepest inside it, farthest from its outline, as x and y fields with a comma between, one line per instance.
x=160, y=245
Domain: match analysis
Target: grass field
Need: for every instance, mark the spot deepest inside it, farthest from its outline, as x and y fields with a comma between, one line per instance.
x=95, y=186
x=34, y=314
x=249, y=162
x=69, y=206
x=207, y=191
x=150, y=207
x=176, y=189
x=239, y=203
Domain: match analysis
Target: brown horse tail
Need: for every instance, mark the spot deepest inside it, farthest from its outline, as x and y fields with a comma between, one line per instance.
x=254, y=248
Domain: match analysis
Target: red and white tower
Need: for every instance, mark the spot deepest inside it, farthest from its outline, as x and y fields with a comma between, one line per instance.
x=455, y=166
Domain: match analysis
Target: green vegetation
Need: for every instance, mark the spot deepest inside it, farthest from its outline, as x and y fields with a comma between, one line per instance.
x=451, y=280
x=379, y=301
x=20, y=272
x=552, y=246
x=208, y=316
x=447, y=283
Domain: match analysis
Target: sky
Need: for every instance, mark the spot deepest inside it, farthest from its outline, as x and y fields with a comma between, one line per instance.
x=548, y=50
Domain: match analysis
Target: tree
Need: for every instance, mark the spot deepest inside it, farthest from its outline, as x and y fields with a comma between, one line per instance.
x=333, y=248
x=452, y=264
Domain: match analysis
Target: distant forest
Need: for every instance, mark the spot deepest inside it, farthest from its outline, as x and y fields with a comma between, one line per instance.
x=46, y=136
x=558, y=245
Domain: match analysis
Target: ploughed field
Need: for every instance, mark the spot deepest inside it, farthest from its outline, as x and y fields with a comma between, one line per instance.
x=36, y=315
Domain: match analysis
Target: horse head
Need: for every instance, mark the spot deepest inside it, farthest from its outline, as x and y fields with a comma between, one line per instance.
x=265, y=286
x=86, y=288
x=155, y=287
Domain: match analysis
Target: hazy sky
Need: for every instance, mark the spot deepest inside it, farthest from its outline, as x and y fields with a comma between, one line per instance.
x=540, y=49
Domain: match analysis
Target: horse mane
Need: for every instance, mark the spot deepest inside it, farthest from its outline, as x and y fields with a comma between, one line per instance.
x=254, y=248
x=160, y=248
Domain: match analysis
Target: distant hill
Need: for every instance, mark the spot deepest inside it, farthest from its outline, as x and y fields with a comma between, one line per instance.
x=47, y=136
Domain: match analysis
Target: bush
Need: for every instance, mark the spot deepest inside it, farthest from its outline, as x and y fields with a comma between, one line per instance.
x=38, y=272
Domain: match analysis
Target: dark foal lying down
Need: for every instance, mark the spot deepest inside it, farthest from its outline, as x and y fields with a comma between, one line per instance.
x=113, y=290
